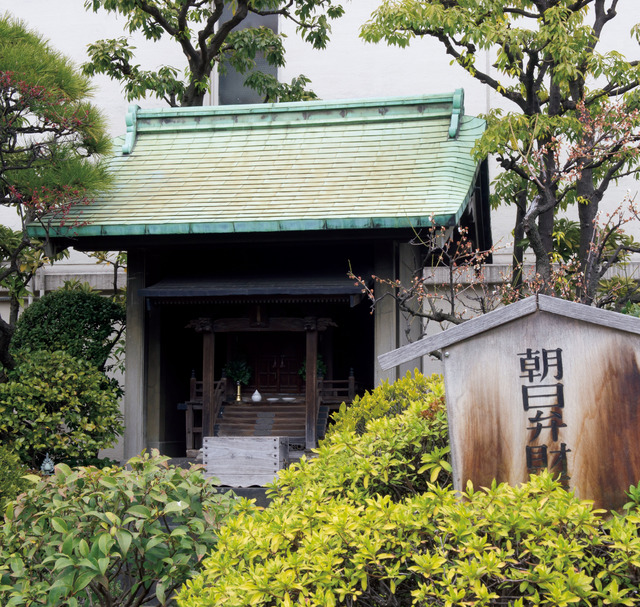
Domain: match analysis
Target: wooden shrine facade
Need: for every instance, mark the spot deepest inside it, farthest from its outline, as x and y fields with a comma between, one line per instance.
x=310, y=326
x=231, y=211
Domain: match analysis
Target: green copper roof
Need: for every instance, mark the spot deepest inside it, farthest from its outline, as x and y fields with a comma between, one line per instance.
x=381, y=163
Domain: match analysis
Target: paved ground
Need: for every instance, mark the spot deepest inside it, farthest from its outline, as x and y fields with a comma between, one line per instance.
x=183, y=462
x=259, y=494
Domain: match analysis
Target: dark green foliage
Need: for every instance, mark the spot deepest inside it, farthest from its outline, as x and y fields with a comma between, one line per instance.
x=97, y=462
x=108, y=538
x=84, y=324
x=57, y=404
x=373, y=521
x=11, y=473
x=51, y=143
x=238, y=371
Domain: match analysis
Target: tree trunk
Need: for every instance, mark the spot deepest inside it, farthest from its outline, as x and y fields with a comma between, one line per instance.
x=531, y=224
x=6, y=360
x=545, y=226
x=14, y=310
x=192, y=97
x=518, y=237
x=589, y=259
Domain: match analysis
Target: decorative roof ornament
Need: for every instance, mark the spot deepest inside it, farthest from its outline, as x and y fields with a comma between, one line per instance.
x=131, y=120
x=456, y=113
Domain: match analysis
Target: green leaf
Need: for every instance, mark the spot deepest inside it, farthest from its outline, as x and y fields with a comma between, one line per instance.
x=175, y=507
x=109, y=482
x=139, y=511
x=17, y=566
x=83, y=580
x=68, y=545
x=124, y=539
x=103, y=565
x=83, y=548
x=59, y=525
x=62, y=563
x=160, y=593
x=104, y=543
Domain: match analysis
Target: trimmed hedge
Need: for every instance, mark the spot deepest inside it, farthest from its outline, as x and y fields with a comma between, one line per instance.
x=86, y=325
x=12, y=472
x=57, y=404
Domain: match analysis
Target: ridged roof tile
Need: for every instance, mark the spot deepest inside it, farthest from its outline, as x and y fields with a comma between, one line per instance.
x=293, y=166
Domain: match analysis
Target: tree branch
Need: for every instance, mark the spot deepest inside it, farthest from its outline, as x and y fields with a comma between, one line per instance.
x=477, y=74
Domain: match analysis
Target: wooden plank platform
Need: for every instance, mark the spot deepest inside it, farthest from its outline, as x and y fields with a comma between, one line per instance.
x=245, y=461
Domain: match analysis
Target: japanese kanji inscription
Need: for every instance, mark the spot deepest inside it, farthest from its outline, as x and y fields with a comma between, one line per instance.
x=543, y=383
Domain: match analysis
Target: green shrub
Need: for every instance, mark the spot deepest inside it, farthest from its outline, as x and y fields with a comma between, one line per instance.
x=111, y=537
x=12, y=472
x=54, y=403
x=373, y=521
x=84, y=324
x=387, y=400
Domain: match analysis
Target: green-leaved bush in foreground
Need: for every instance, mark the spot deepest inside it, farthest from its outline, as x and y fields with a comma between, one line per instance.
x=57, y=404
x=373, y=521
x=108, y=537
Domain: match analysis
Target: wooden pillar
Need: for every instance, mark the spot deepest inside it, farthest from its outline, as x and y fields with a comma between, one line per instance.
x=352, y=384
x=134, y=400
x=386, y=316
x=208, y=360
x=154, y=401
x=311, y=397
x=409, y=266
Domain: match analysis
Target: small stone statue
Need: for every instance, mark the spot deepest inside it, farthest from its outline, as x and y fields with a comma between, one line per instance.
x=47, y=465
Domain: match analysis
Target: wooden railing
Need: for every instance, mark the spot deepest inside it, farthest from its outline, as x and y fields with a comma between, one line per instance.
x=217, y=398
x=195, y=388
x=336, y=391
x=331, y=392
x=194, y=430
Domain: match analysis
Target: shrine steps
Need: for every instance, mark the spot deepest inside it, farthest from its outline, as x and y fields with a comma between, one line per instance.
x=261, y=420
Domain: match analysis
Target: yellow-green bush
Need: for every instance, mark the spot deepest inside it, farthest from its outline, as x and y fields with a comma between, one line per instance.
x=396, y=455
x=388, y=400
x=531, y=545
x=372, y=521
